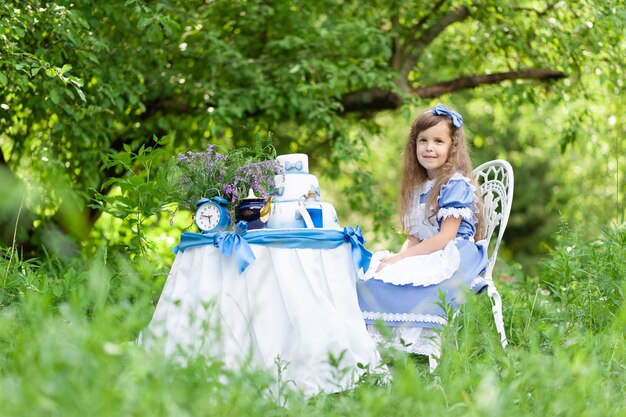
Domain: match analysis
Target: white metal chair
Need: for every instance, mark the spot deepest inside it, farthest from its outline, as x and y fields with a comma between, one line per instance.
x=496, y=182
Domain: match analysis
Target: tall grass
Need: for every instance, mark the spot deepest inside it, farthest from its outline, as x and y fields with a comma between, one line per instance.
x=67, y=332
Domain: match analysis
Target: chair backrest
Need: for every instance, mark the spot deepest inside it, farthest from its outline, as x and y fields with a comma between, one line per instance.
x=496, y=182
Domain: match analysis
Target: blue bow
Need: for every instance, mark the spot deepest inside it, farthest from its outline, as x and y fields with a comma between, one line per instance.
x=360, y=256
x=293, y=167
x=441, y=110
x=279, y=191
x=233, y=241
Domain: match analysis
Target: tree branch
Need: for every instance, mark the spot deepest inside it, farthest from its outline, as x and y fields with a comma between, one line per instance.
x=373, y=99
x=376, y=99
x=411, y=36
x=427, y=37
x=435, y=9
x=402, y=45
x=435, y=30
x=462, y=83
x=543, y=12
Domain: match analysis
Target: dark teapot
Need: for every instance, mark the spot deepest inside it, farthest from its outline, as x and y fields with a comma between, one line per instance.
x=253, y=210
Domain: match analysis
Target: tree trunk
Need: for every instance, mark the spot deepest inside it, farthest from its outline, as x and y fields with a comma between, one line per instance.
x=16, y=222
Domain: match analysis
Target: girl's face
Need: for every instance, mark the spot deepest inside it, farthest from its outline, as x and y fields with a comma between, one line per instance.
x=432, y=147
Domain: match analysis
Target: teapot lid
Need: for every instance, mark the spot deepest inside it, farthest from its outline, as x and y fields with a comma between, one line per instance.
x=252, y=196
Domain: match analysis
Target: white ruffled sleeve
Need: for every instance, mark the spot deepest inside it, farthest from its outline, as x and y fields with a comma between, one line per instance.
x=456, y=199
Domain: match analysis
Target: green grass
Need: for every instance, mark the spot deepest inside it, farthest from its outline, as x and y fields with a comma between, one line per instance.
x=66, y=333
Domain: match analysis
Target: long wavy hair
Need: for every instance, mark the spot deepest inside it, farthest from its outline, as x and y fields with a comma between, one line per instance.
x=414, y=174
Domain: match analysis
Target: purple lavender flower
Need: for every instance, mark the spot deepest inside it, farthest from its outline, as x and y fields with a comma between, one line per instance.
x=231, y=175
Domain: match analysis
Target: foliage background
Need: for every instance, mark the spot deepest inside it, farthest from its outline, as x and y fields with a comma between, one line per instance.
x=96, y=98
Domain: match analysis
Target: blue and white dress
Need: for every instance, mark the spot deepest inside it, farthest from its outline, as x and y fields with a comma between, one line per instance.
x=406, y=295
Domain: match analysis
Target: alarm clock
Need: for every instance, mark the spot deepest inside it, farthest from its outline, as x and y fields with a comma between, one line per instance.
x=212, y=214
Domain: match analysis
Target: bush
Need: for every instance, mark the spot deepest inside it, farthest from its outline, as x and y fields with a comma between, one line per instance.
x=587, y=277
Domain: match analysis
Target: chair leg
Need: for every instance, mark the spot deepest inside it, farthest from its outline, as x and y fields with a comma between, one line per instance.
x=497, y=312
x=433, y=361
x=435, y=352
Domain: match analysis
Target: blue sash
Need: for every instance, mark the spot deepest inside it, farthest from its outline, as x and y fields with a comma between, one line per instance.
x=239, y=240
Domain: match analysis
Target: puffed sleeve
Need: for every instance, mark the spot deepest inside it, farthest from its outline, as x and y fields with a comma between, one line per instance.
x=457, y=199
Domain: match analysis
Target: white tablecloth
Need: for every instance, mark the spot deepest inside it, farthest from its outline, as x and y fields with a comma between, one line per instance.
x=298, y=305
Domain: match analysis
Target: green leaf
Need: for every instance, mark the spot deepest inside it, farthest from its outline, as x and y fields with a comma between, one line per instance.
x=76, y=81
x=54, y=96
x=125, y=159
x=80, y=94
x=144, y=22
x=136, y=180
x=163, y=141
x=3, y=79
x=108, y=182
x=57, y=289
x=20, y=32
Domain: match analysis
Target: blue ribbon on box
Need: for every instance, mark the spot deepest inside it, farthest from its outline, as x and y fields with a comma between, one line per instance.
x=238, y=242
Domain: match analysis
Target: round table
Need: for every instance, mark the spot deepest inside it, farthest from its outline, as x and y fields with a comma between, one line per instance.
x=293, y=301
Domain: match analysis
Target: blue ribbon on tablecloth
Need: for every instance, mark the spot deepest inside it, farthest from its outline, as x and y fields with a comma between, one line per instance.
x=238, y=242
x=361, y=257
x=229, y=242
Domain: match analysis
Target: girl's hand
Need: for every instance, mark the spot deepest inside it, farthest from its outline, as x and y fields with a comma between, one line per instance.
x=389, y=260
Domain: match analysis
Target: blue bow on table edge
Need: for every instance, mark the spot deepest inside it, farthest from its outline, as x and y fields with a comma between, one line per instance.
x=228, y=242
x=441, y=110
x=361, y=257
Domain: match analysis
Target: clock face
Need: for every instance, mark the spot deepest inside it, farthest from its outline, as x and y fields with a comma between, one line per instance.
x=208, y=216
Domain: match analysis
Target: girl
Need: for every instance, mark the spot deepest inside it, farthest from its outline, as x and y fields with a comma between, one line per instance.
x=441, y=214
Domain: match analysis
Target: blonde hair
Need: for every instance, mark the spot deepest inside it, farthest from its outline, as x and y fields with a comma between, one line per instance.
x=414, y=174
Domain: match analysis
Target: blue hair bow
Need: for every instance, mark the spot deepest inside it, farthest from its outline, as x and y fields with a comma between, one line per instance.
x=441, y=110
